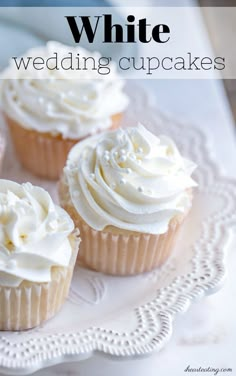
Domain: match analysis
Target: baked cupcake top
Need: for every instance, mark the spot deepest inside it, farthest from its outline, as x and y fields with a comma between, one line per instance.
x=129, y=179
x=34, y=234
x=70, y=103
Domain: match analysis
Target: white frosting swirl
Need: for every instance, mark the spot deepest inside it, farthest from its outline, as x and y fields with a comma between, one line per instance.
x=129, y=179
x=70, y=103
x=33, y=234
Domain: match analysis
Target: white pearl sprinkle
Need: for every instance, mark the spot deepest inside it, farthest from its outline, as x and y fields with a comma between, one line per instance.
x=116, y=154
x=92, y=176
x=122, y=152
x=123, y=158
x=106, y=157
x=140, y=150
x=122, y=181
x=53, y=224
x=140, y=189
x=132, y=156
x=128, y=170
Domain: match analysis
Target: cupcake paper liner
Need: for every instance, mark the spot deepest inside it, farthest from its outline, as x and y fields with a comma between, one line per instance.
x=30, y=304
x=120, y=254
x=42, y=153
x=116, y=252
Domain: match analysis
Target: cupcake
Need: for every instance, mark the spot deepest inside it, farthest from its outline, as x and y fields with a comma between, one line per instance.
x=50, y=110
x=38, y=249
x=129, y=192
x=2, y=149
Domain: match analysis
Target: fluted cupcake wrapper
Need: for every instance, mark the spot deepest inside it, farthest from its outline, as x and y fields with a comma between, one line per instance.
x=118, y=252
x=42, y=153
x=121, y=254
x=30, y=304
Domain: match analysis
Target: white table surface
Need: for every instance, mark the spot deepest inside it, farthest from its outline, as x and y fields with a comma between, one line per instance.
x=205, y=335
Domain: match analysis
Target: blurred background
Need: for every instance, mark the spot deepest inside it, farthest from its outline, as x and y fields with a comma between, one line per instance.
x=21, y=32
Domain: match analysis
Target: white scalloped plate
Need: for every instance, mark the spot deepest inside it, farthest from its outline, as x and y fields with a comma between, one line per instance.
x=133, y=317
